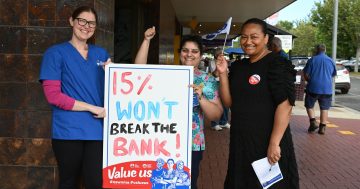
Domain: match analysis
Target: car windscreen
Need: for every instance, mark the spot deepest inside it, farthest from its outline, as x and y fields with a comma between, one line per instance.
x=339, y=67
x=299, y=61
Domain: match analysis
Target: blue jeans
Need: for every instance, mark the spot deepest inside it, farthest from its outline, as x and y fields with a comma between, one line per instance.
x=223, y=120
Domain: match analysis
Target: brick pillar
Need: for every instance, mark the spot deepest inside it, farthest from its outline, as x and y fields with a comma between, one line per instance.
x=27, y=29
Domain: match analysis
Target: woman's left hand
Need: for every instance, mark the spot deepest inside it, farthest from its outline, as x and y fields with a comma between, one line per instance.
x=108, y=61
x=98, y=112
x=198, y=89
x=273, y=153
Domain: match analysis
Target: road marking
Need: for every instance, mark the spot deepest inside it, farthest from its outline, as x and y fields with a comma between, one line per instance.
x=330, y=125
x=346, y=132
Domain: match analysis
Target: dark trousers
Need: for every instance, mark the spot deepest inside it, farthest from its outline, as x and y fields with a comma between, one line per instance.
x=79, y=158
x=195, y=167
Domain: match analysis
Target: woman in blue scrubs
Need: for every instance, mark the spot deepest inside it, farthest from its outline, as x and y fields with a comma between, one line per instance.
x=73, y=84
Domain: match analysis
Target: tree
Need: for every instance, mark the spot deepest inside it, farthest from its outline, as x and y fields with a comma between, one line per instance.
x=306, y=38
x=348, y=26
x=285, y=25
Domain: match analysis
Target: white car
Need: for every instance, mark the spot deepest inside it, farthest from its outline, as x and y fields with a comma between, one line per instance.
x=350, y=65
x=342, y=80
x=299, y=62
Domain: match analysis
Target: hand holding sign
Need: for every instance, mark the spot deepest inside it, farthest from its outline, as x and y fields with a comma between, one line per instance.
x=146, y=121
x=198, y=89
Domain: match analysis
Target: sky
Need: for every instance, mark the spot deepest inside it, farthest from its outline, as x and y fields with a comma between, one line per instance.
x=298, y=10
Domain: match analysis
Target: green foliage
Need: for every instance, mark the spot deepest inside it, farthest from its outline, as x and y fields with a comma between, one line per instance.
x=285, y=25
x=348, y=25
x=319, y=28
x=306, y=38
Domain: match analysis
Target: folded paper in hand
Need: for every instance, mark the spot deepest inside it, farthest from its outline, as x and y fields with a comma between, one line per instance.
x=267, y=174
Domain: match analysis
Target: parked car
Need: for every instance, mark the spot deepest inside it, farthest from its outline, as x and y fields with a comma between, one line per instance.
x=350, y=65
x=342, y=80
x=299, y=62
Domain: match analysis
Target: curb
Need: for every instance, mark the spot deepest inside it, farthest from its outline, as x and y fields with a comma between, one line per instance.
x=357, y=77
x=336, y=111
x=346, y=108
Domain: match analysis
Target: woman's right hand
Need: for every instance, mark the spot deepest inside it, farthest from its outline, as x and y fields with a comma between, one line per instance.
x=150, y=33
x=221, y=64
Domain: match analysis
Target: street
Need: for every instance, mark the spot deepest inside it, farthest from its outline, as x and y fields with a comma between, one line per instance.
x=352, y=99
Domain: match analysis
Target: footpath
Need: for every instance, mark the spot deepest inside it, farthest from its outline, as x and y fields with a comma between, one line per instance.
x=330, y=161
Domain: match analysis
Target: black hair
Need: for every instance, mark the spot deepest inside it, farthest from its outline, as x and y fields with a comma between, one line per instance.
x=195, y=39
x=258, y=22
x=82, y=9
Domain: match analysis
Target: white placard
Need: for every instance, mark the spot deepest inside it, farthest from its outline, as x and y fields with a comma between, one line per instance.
x=149, y=118
x=286, y=41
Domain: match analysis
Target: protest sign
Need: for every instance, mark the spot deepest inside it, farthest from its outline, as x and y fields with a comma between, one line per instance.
x=148, y=122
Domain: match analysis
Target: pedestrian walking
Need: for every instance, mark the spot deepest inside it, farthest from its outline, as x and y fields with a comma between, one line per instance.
x=319, y=73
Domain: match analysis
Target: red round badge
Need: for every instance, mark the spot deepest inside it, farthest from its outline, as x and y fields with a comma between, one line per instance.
x=254, y=79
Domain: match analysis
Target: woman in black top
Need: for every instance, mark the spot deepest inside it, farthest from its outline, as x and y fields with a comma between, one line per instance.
x=260, y=92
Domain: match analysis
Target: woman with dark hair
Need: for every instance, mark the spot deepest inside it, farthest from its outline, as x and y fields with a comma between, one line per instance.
x=207, y=102
x=72, y=77
x=260, y=93
x=206, y=98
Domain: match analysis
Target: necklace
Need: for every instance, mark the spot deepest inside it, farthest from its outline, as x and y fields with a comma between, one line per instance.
x=257, y=58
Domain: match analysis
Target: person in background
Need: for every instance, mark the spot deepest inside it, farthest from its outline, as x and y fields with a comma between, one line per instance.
x=206, y=100
x=223, y=122
x=72, y=77
x=319, y=72
x=202, y=65
x=276, y=47
x=260, y=92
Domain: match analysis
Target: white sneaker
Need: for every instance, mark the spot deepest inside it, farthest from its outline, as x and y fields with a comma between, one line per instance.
x=217, y=128
x=227, y=125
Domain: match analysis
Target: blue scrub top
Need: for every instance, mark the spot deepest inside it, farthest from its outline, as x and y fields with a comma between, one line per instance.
x=80, y=79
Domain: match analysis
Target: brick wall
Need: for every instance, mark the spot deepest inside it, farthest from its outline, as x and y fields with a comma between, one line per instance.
x=27, y=29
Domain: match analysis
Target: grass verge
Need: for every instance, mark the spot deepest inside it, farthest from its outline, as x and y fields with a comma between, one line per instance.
x=355, y=74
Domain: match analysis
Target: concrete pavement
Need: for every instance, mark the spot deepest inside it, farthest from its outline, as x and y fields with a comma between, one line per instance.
x=330, y=161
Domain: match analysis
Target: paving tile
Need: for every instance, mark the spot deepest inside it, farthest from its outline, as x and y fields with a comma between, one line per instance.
x=330, y=161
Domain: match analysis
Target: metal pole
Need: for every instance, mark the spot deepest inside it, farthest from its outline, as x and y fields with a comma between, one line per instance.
x=334, y=44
